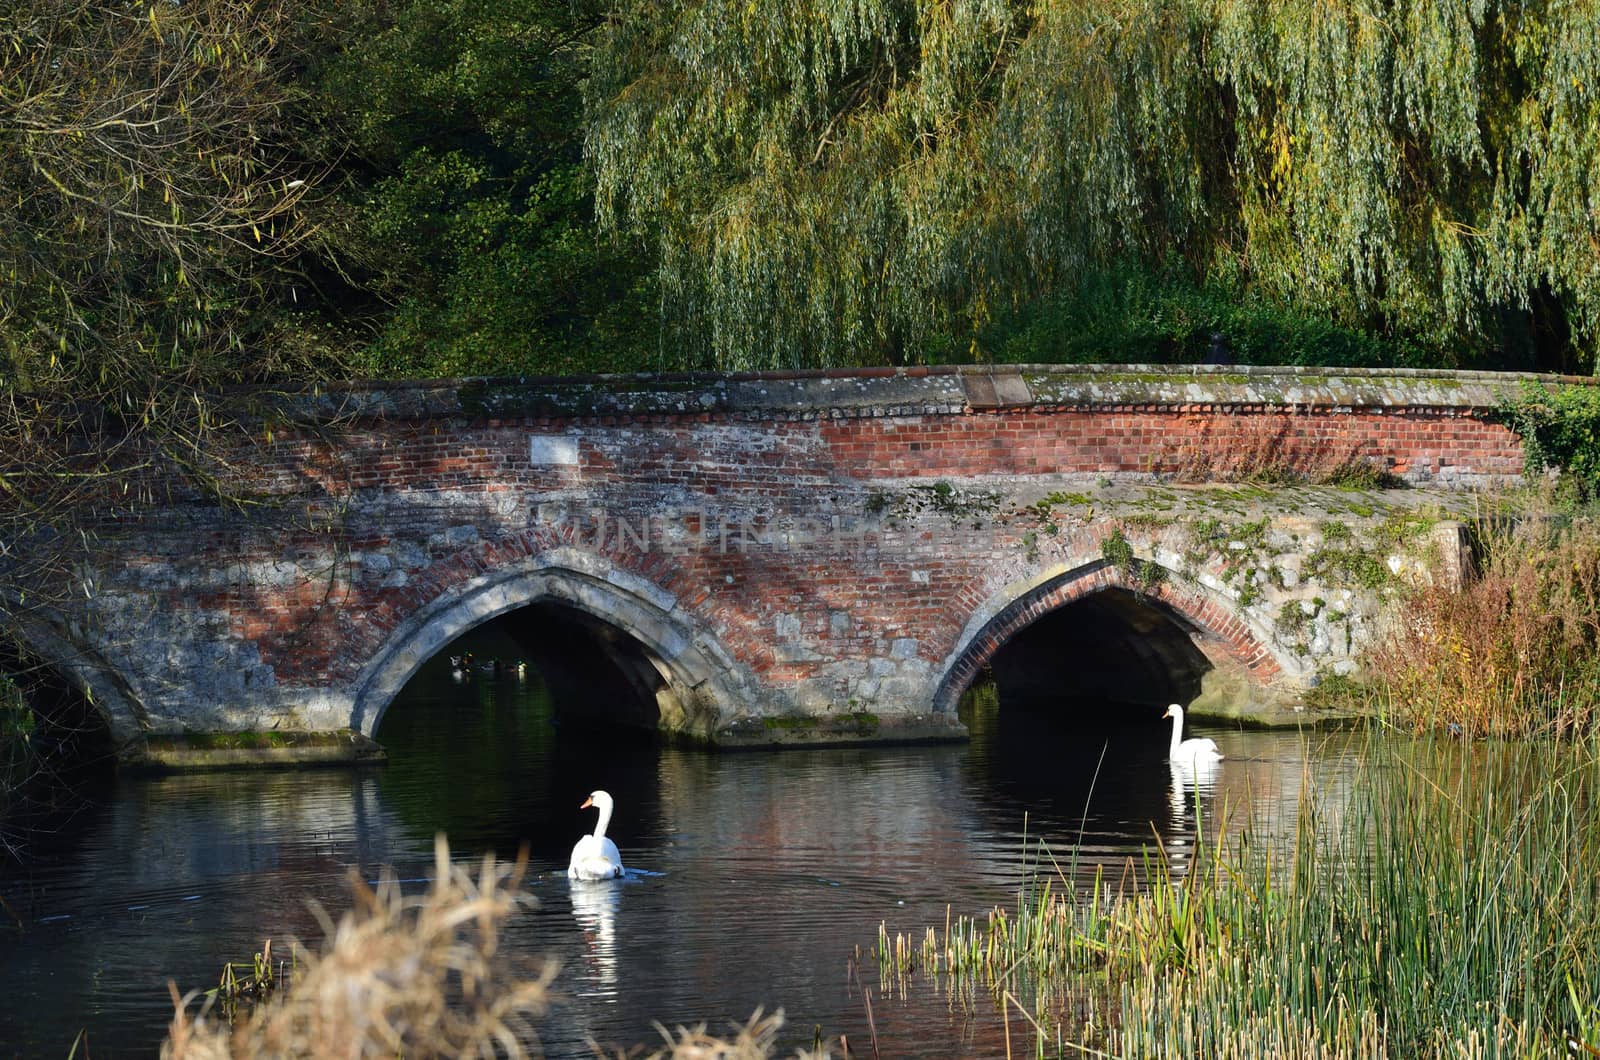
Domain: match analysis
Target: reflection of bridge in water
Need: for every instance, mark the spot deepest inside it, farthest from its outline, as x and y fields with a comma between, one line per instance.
x=789, y=558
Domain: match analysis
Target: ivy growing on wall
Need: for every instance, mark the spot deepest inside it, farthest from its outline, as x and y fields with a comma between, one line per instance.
x=1560, y=429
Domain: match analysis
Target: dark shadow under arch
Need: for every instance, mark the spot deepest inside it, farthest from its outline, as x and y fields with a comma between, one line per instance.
x=584, y=659
x=43, y=640
x=1110, y=647
x=695, y=685
x=57, y=750
x=1132, y=642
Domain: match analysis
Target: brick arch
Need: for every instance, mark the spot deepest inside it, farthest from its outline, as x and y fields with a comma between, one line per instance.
x=686, y=655
x=1011, y=611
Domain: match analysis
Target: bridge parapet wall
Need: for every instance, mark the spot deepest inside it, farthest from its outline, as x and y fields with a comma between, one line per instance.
x=1422, y=426
x=790, y=543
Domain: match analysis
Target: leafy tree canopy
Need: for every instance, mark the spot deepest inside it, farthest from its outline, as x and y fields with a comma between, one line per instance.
x=155, y=192
x=472, y=202
x=832, y=183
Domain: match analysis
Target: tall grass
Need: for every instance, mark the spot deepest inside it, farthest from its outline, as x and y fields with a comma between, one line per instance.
x=1516, y=651
x=1450, y=908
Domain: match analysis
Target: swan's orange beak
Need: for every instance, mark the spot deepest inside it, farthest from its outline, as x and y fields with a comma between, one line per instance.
x=1168, y=714
x=586, y=804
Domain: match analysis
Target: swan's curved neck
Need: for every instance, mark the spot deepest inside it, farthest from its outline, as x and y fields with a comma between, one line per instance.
x=605, y=819
x=1177, y=731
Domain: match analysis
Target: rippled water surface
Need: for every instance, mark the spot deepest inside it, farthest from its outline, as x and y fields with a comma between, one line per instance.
x=753, y=876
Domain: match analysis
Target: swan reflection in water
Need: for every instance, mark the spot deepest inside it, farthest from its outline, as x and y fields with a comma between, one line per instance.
x=1194, y=782
x=594, y=907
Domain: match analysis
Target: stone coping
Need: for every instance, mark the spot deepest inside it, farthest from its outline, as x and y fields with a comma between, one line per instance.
x=877, y=392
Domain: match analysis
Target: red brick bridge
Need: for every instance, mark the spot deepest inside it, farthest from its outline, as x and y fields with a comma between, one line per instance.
x=745, y=555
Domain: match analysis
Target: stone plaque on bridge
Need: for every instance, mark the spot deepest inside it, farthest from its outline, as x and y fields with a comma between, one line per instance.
x=547, y=450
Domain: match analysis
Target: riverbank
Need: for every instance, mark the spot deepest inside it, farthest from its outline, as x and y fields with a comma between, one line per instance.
x=1446, y=910
x=1513, y=651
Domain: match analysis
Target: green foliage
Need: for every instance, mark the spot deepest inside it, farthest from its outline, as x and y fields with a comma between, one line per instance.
x=1116, y=551
x=472, y=206
x=1402, y=528
x=1058, y=498
x=162, y=213
x=1334, y=532
x=1559, y=429
x=1358, y=183
x=1338, y=692
x=1127, y=313
x=480, y=186
x=16, y=732
x=1359, y=474
x=1293, y=621
x=156, y=195
x=1430, y=908
x=217, y=741
x=1334, y=565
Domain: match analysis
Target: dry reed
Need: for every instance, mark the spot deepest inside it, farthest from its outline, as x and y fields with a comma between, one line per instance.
x=1270, y=446
x=756, y=1040
x=1515, y=651
x=399, y=975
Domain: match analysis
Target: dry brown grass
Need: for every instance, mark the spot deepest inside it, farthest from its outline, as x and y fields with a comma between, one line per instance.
x=1268, y=447
x=1516, y=651
x=756, y=1040
x=398, y=976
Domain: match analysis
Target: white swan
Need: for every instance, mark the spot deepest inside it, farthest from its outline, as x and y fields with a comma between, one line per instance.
x=595, y=857
x=1196, y=750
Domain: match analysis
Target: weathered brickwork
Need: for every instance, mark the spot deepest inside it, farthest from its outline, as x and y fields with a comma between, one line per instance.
x=776, y=544
x=1422, y=444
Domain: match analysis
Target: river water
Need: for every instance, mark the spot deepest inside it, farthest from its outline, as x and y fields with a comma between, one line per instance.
x=753, y=876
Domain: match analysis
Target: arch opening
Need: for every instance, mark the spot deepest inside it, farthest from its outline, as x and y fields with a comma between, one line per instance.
x=1107, y=650
x=531, y=707
x=56, y=748
x=1084, y=683
x=600, y=638
x=598, y=676
x=1087, y=632
x=587, y=673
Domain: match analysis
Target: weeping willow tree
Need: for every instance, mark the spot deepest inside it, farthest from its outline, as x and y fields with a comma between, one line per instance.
x=159, y=216
x=157, y=207
x=847, y=182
